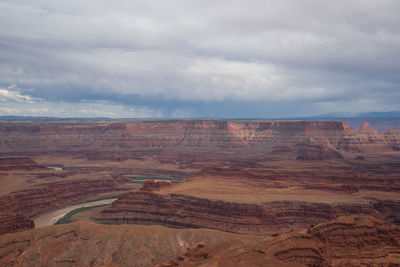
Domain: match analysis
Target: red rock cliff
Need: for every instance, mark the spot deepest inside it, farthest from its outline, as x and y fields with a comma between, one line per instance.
x=174, y=135
x=183, y=211
x=51, y=196
x=10, y=223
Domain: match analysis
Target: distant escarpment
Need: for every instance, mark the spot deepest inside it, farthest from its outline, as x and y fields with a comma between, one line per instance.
x=51, y=196
x=20, y=163
x=331, y=177
x=183, y=211
x=193, y=135
x=347, y=241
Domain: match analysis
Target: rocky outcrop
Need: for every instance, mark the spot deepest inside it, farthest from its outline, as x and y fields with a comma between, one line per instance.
x=183, y=211
x=366, y=128
x=51, y=196
x=153, y=185
x=21, y=163
x=348, y=241
x=10, y=223
x=389, y=209
x=356, y=239
x=89, y=244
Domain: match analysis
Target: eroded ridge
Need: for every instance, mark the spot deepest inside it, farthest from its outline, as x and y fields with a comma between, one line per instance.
x=348, y=241
x=183, y=211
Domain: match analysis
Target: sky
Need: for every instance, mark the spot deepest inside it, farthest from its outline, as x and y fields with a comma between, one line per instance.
x=198, y=59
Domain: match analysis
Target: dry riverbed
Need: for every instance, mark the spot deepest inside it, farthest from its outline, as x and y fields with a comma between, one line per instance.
x=51, y=218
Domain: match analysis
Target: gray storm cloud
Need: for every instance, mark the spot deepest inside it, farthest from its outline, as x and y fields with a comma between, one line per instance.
x=337, y=55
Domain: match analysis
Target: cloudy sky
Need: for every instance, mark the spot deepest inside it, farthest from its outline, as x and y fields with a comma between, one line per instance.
x=223, y=59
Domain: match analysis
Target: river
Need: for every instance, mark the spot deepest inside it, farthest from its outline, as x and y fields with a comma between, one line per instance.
x=52, y=217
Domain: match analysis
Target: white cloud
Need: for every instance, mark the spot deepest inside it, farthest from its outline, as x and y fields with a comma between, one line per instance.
x=11, y=94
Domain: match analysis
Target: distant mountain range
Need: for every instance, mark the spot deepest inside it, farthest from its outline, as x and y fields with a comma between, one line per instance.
x=369, y=115
x=388, y=115
x=334, y=115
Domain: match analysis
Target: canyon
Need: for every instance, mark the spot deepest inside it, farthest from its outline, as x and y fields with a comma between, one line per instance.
x=183, y=211
x=217, y=183
x=38, y=199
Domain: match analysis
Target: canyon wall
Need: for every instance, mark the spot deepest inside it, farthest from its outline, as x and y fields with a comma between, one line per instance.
x=191, y=134
x=380, y=176
x=51, y=196
x=183, y=211
x=19, y=163
x=10, y=223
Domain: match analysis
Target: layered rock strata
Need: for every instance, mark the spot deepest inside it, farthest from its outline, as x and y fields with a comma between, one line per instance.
x=10, y=223
x=183, y=211
x=21, y=163
x=341, y=177
x=348, y=241
x=181, y=135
